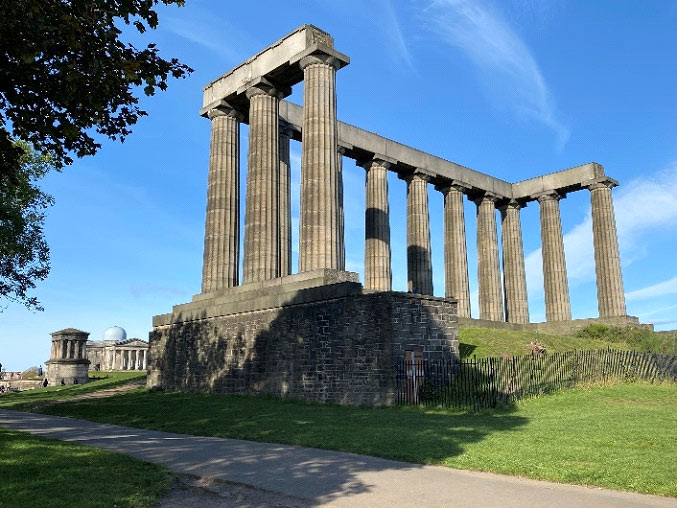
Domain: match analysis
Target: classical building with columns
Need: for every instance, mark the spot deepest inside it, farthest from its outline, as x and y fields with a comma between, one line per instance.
x=117, y=352
x=320, y=334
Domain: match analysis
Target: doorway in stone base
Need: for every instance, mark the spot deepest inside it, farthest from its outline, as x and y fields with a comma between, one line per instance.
x=413, y=364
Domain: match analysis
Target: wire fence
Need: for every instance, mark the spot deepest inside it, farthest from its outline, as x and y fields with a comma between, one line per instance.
x=481, y=383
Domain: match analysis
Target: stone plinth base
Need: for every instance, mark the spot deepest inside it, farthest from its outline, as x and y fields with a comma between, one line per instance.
x=69, y=371
x=553, y=327
x=322, y=343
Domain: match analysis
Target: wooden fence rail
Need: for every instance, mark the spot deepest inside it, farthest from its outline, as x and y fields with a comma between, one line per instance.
x=480, y=383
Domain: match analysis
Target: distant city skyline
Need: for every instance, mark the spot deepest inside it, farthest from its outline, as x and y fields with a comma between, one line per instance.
x=513, y=89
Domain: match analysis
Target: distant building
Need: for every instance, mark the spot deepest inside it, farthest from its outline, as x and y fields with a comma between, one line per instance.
x=117, y=352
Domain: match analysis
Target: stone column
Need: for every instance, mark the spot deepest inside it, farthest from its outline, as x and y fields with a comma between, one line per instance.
x=262, y=224
x=557, y=307
x=220, y=267
x=488, y=272
x=610, y=295
x=455, y=249
x=377, y=270
x=514, y=274
x=145, y=360
x=419, y=264
x=285, y=201
x=341, y=215
x=319, y=221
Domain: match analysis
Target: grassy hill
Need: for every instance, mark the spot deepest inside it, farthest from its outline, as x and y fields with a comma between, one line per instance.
x=483, y=342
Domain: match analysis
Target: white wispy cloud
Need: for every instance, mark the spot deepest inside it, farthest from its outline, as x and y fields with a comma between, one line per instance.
x=668, y=287
x=201, y=26
x=507, y=67
x=657, y=193
x=394, y=32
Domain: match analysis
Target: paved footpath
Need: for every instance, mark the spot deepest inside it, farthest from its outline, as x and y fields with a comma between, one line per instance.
x=325, y=478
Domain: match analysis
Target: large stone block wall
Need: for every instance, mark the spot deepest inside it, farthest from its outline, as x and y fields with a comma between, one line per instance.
x=339, y=350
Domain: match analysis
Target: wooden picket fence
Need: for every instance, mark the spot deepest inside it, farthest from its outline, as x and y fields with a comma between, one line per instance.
x=480, y=383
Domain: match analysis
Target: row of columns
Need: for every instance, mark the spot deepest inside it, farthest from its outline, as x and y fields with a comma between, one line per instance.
x=267, y=230
x=129, y=359
x=500, y=298
x=68, y=349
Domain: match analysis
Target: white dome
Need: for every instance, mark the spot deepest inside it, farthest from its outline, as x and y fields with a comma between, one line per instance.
x=115, y=333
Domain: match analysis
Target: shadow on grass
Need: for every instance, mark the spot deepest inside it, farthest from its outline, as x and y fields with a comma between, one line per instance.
x=31, y=400
x=466, y=349
x=405, y=433
x=51, y=474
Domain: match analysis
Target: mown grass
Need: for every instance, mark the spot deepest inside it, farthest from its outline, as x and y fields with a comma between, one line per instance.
x=46, y=473
x=484, y=342
x=30, y=400
x=622, y=436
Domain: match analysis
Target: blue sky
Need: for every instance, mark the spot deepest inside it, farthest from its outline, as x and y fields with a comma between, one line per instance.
x=513, y=88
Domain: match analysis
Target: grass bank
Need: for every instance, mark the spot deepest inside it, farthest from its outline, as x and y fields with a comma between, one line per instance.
x=484, y=342
x=46, y=473
x=31, y=400
x=620, y=436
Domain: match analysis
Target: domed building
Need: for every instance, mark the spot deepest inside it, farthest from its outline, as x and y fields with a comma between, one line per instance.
x=117, y=352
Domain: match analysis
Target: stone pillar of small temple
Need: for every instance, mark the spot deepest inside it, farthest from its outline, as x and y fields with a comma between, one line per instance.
x=377, y=268
x=262, y=224
x=514, y=274
x=419, y=264
x=488, y=271
x=221, y=261
x=557, y=307
x=610, y=295
x=456, y=283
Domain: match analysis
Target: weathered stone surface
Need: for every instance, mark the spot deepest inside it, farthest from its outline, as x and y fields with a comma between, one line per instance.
x=514, y=273
x=262, y=226
x=221, y=261
x=556, y=285
x=610, y=296
x=488, y=271
x=339, y=349
x=68, y=362
x=455, y=249
x=377, y=269
x=319, y=221
x=554, y=327
x=419, y=262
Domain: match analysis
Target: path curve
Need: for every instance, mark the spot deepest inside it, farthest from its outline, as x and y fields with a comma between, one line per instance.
x=326, y=478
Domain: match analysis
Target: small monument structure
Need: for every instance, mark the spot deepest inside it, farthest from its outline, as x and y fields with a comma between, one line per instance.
x=68, y=363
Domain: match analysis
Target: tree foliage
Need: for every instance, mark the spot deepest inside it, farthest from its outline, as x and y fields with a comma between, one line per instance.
x=66, y=80
x=24, y=254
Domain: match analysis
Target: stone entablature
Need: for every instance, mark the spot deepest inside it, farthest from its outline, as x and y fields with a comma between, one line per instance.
x=129, y=354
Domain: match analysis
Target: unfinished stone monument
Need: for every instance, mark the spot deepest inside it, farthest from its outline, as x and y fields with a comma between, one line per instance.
x=319, y=334
x=68, y=363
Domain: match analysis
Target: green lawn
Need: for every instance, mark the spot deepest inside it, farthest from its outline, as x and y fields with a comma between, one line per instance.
x=484, y=342
x=33, y=399
x=45, y=473
x=622, y=436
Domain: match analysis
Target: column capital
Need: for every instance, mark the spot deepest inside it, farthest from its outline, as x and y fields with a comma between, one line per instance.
x=600, y=183
x=285, y=129
x=320, y=54
x=513, y=205
x=486, y=196
x=224, y=110
x=262, y=86
x=367, y=163
x=549, y=196
x=416, y=174
x=445, y=186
